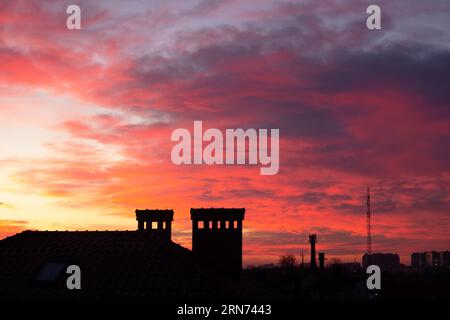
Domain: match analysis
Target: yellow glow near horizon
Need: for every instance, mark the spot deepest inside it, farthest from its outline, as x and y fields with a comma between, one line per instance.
x=26, y=127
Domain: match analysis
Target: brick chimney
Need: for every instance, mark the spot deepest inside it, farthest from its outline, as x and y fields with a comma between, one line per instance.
x=217, y=238
x=155, y=221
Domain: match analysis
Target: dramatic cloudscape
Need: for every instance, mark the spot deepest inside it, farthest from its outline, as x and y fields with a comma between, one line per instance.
x=86, y=118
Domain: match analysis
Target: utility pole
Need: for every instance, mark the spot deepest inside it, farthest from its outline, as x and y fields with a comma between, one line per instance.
x=369, y=234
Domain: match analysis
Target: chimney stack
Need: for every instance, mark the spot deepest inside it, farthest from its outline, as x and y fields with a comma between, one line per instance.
x=156, y=222
x=217, y=238
x=322, y=261
x=312, y=241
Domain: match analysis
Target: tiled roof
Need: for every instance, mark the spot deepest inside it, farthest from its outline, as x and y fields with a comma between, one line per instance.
x=114, y=265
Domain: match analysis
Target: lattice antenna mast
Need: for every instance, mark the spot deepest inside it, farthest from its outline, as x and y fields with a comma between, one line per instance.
x=369, y=235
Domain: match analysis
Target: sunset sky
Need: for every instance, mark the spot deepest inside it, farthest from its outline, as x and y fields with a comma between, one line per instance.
x=86, y=118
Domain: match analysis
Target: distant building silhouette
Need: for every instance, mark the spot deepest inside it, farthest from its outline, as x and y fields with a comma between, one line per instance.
x=430, y=259
x=386, y=261
x=217, y=238
x=433, y=259
x=351, y=267
x=445, y=259
x=419, y=259
x=322, y=261
x=312, y=241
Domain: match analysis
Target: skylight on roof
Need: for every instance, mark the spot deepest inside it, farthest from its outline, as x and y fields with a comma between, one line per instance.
x=50, y=271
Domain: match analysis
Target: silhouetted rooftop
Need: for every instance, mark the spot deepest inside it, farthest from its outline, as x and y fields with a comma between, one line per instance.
x=114, y=264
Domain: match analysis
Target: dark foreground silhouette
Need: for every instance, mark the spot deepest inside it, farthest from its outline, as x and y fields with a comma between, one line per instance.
x=147, y=265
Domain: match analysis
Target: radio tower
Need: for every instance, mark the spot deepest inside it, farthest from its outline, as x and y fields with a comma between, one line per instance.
x=369, y=236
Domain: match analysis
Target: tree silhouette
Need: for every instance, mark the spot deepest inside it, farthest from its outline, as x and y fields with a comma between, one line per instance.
x=287, y=261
